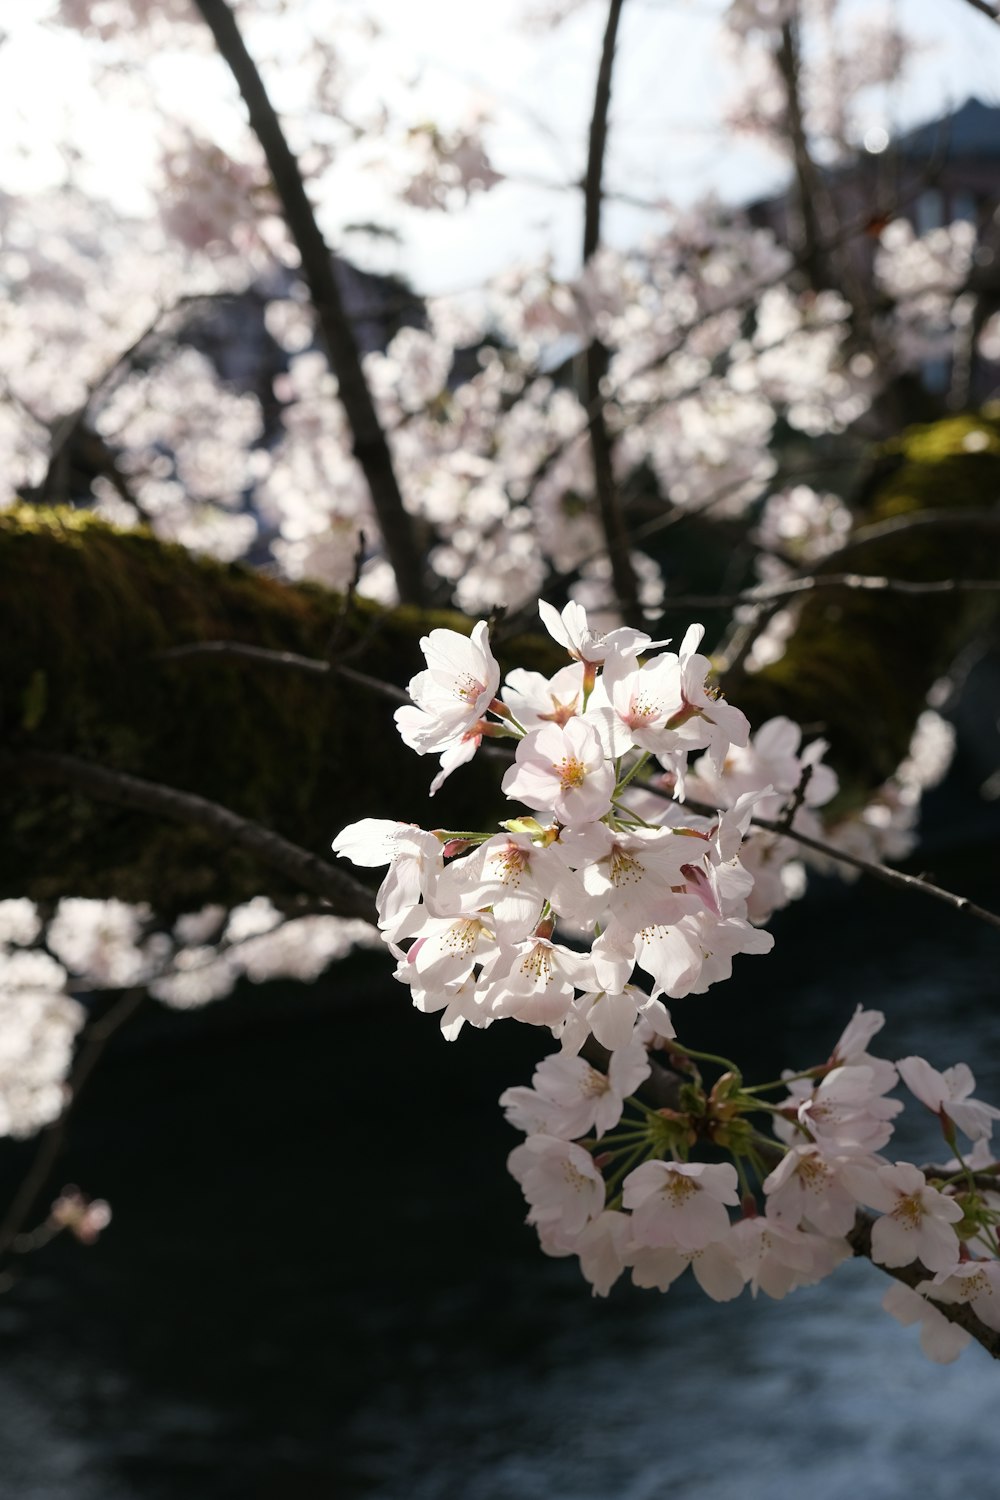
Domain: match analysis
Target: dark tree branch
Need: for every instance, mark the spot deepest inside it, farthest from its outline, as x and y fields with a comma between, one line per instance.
x=596, y=360
x=807, y=179
x=347, y=896
x=885, y=873
x=370, y=446
x=288, y=659
x=768, y=593
x=960, y=1313
x=741, y=642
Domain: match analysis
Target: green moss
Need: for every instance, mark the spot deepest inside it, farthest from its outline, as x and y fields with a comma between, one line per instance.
x=87, y=609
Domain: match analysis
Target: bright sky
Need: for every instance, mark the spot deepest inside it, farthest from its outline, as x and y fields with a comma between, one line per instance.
x=671, y=83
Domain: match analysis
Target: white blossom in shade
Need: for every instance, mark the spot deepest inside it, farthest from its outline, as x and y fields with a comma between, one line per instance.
x=941, y=1340
x=569, y=1098
x=197, y=976
x=534, y=980
x=38, y=1026
x=846, y=1113
x=99, y=940
x=637, y=875
x=610, y=1016
x=19, y=921
x=916, y=1221
x=947, y=1094
x=976, y=1282
x=85, y=1218
x=446, y=951
x=930, y=752
x=562, y=768
x=639, y=703
x=709, y=721
x=457, y=1002
x=852, y=1049
x=535, y=700
x=302, y=947
x=514, y=877
x=456, y=755
x=772, y=759
x=30, y=969
x=559, y=1180
x=696, y=952
x=776, y=1256
x=807, y=1185
x=802, y=524
x=680, y=1204
x=572, y=630
x=714, y=1265
x=197, y=927
x=252, y=918
x=451, y=696
x=602, y=1246
x=415, y=860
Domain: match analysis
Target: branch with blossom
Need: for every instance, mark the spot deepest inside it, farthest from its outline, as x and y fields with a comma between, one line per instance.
x=547, y=921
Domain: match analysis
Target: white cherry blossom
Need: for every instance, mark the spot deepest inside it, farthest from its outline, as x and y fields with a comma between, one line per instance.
x=941, y=1340
x=680, y=1204
x=916, y=1221
x=559, y=1180
x=453, y=694
x=947, y=1094
x=562, y=769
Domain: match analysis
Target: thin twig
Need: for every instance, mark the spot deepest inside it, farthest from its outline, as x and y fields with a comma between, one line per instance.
x=288, y=659
x=347, y=896
x=767, y=593
x=885, y=873
x=370, y=446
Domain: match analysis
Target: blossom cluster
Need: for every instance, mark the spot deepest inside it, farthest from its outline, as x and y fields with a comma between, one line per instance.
x=48, y=968
x=610, y=1179
x=665, y=893
x=633, y=850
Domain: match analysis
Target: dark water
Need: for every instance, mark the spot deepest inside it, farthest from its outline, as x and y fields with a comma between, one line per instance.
x=318, y=1283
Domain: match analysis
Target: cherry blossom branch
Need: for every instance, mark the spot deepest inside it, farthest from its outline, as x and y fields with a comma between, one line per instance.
x=885, y=873
x=769, y=592
x=917, y=520
x=985, y=9
x=741, y=641
x=662, y=1089
x=347, y=896
x=288, y=659
x=597, y=358
x=370, y=447
x=95, y=1038
x=860, y=1240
